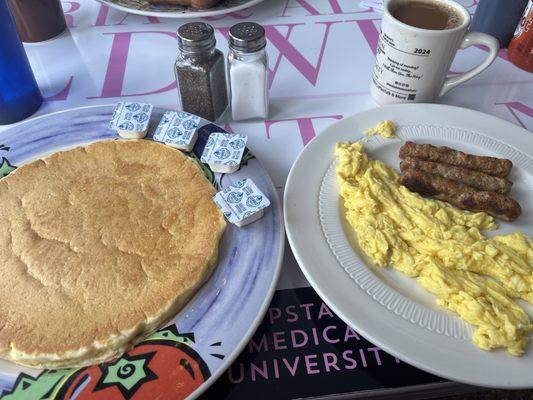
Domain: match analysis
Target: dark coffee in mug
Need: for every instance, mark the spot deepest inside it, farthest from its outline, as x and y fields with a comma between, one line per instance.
x=427, y=15
x=412, y=63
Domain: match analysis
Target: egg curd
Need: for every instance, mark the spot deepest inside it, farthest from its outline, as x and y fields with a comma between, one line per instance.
x=442, y=247
x=386, y=128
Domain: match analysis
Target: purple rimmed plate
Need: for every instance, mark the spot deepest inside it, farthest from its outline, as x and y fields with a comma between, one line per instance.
x=186, y=356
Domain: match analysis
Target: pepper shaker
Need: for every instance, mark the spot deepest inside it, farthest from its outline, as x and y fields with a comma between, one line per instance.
x=248, y=71
x=200, y=72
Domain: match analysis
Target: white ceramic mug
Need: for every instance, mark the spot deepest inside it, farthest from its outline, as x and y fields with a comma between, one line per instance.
x=412, y=63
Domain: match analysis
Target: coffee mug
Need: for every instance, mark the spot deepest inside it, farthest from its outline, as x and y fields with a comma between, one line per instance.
x=412, y=63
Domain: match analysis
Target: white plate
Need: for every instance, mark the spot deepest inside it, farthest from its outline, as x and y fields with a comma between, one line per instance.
x=143, y=7
x=388, y=308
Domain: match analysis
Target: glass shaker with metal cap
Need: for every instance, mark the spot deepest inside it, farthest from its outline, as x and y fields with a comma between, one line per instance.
x=248, y=71
x=200, y=72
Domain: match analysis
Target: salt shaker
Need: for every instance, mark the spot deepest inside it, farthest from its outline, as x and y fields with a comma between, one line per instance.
x=248, y=71
x=200, y=72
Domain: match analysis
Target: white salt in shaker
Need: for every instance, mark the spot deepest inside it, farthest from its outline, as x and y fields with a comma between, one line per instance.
x=248, y=71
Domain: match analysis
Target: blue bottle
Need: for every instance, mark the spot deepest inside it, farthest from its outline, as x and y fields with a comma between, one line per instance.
x=19, y=94
x=498, y=18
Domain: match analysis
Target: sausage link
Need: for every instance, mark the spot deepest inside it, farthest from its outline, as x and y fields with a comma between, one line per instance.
x=476, y=179
x=490, y=165
x=459, y=195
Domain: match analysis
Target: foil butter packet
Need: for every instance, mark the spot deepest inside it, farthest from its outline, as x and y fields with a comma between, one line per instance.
x=242, y=202
x=223, y=151
x=131, y=119
x=178, y=129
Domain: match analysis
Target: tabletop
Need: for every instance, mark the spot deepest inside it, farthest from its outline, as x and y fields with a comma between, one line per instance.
x=321, y=55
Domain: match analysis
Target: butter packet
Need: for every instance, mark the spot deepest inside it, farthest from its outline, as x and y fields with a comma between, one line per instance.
x=131, y=119
x=242, y=202
x=223, y=151
x=178, y=129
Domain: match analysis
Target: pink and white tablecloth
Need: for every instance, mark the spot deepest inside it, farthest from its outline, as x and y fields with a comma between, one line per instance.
x=321, y=58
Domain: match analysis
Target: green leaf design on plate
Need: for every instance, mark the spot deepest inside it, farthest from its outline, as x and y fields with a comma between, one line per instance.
x=246, y=157
x=172, y=334
x=6, y=168
x=205, y=169
x=42, y=387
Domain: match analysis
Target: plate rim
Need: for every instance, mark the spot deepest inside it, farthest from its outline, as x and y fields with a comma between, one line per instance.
x=262, y=310
x=180, y=15
x=324, y=289
x=276, y=202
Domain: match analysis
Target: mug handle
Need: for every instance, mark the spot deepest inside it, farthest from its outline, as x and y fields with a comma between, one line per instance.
x=471, y=39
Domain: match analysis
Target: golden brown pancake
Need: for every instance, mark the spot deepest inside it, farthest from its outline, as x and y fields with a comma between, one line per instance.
x=99, y=246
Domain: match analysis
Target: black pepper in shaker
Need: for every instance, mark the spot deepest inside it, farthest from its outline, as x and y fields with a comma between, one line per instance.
x=200, y=72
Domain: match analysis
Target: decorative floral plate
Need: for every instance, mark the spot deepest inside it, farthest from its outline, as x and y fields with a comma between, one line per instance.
x=186, y=356
x=143, y=7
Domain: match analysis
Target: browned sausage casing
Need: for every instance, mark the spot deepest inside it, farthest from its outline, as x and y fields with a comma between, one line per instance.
x=489, y=165
x=459, y=195
x=476, y=179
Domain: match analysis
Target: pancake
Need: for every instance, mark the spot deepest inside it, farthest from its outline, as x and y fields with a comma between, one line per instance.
x=99, y=246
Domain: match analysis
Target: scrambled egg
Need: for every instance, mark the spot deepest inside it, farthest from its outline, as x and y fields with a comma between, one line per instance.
x=387, y=129
x=442, y=247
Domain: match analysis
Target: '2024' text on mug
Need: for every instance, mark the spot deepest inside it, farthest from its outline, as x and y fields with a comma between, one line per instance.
x=412, y=63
